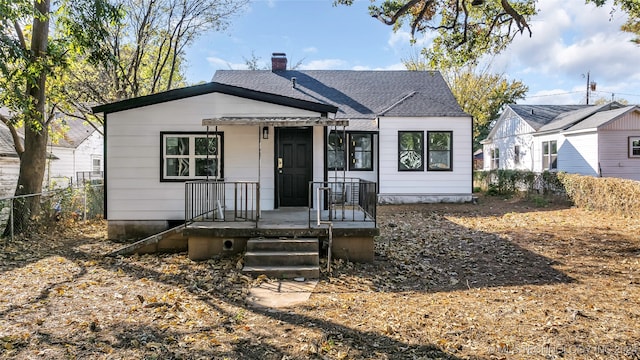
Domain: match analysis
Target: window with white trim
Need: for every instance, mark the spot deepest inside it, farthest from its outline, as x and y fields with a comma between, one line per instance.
x=96, y=164
x=634, y=146
x=188, y=156
x=549, y=155
x=495, y=158
x=516, y=154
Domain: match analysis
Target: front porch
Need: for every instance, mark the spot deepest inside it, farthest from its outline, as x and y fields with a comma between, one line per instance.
x=223, y=216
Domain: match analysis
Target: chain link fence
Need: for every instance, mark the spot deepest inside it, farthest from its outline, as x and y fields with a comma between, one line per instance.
x=71, y=203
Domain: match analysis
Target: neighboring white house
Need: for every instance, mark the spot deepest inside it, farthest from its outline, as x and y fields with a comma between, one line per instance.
x=77, y=150
x=596, y=140
x=403, y=130
x=74, y=154
x=9, y=163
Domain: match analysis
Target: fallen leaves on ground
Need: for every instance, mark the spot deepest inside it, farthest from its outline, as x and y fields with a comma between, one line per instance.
x=499, y=280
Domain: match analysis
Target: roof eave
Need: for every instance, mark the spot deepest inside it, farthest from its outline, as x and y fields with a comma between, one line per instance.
x=209, y=88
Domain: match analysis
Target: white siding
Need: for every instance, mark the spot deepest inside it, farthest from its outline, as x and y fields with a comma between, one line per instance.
x=425, y=183
x=510, y=131
x=134, y=190
x=9, y=170
x=614, y=154
x=579, y=154
x=62, y=171
x=537, y=149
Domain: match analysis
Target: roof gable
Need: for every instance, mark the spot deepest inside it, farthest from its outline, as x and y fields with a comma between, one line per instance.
x=538, y=116
x=357, y=94
x=509, y=114
x=209, y=88
x=73, y=132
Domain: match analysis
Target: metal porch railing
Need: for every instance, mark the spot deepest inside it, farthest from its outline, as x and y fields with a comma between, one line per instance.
x=218, y=201
x=349, y=199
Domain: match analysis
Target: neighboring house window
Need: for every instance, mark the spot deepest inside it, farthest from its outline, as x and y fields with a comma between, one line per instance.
x=549, y=155
x=516, y=154
x=361, y=151
x=191, y=156
x=439, y=150
x=96, y=165
x=495, y=158
x=335, y=151
x=634, y=146
x=410, y=150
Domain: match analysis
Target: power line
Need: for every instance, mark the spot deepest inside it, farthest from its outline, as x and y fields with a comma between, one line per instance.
x=555, y=94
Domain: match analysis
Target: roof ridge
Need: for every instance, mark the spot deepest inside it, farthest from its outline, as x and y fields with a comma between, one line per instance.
x=402, y=99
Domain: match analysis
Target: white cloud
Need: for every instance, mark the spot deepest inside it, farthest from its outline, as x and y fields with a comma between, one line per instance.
x=325, y=64
x=570, y=39
x=310, y=49
x=221, y=64
x=396, y=66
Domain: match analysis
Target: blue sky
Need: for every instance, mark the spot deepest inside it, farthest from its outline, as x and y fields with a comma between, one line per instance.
x=569, y=39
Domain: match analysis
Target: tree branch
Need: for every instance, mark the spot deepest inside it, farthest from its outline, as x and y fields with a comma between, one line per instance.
x=20, y=34
x=394, y=18
x=17, y=143
x=520, y=20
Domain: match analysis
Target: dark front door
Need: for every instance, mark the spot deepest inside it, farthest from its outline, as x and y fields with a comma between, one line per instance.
x=294, y=165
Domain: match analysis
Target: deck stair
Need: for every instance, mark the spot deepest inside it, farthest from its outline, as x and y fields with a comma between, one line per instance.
x=283, y=257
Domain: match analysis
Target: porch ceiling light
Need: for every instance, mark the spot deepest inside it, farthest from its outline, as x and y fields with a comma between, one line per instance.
x=265, y=132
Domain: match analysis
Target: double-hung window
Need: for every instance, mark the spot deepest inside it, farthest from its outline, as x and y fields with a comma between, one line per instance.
x=335, y=151
x=410, y=150
x=187, y=156
x=439, y=150
x=495, y=158
x=634, y=146
x=549, y=155
x=360, y=151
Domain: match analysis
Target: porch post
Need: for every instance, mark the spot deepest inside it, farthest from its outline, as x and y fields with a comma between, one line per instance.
x=259, y=210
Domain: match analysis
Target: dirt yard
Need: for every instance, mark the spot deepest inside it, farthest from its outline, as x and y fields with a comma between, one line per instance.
x=504, y=279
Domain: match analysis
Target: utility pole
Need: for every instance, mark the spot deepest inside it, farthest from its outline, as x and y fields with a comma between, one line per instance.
x=591, y=86
x=587, y=88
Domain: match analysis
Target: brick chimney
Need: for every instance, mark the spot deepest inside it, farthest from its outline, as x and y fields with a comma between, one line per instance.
x=278, y=61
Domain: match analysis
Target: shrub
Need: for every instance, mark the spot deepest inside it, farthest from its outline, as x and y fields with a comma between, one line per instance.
x=612, y=195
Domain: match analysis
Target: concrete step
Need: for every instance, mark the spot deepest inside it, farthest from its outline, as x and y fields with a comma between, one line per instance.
x=269, y=244
x=281, y=258
x=284, y=272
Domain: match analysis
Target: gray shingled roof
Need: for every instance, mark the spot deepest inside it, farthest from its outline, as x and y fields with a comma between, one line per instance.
x=6, y=142
x=538, y=116
x=598, y=119
x=75, y=131
x=357, y=94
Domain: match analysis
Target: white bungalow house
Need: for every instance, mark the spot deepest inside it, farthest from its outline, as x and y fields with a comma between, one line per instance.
x=401, y=131
x=596, y=140
x=9, y=163
x=74, y=155
x=77, y=150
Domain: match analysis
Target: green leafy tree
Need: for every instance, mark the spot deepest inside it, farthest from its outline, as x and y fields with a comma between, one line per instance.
x=31, y=57
x=468, y=29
